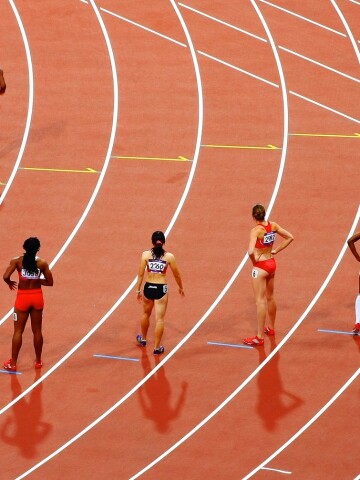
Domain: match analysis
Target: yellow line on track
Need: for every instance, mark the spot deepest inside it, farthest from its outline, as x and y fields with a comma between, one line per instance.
x=178, y=159
x=39, y=169
x=355, y=135
x=247, y=147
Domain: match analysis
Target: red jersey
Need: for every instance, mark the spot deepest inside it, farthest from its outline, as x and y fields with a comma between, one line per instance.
x=268, y=239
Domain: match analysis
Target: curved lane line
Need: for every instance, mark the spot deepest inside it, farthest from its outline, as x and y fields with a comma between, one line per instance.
x=347, y=28
x=182, y=201
x=307, y=425
x=183, y=198
x=219, y=298
x=101, y=176
x=228, y=285
x=30, y=105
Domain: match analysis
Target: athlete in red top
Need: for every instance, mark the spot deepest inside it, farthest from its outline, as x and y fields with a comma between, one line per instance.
x=155, y=262
x=33, y=273
x=261, y=251
x=351, y=243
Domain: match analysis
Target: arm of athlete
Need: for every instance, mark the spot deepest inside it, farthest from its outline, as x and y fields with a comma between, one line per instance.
x=176, y=273
x=351, y=243
x=288, y=238
x=48, y=281
x=2, y=82
x=252, y=243
x=8, y=272
x=140, y=276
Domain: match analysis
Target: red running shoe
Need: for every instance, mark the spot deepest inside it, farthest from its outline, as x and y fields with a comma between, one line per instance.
x=38, y=364
x=356, y=329
x=269, y=331
x=255, y=341
x=8, y=366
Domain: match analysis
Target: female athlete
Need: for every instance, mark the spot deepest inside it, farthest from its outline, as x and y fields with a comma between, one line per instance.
x=155, y=262
x=261, y=253
x=351, y=242
x=33, y=273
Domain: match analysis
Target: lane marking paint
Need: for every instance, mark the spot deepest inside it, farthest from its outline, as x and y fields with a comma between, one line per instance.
x=324, y=106
x=165, y=159
x=223, y=23
x=143, y=28
x=246, y=147
x=320, y=64
x=303, y=18
x=30, y=104
x=112, y=357
x=43, y=169
x=336, y=331
x=235, y=345
x=10, y=373
x=238, y=69
x=131, y=286
x=331, y=135
x=276, y=470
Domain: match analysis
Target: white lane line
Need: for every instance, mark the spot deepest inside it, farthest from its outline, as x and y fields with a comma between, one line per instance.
x=303, y=18
x=238, y=69
x=232, y=279
x=30, y=103
x=257, y=370
x=324, y=106
x=320, y=64
x=142, y=27
x=348, y=29
x=286, y=472
x=103, y=170
x=353, y=1
x=131, y=286
x=307, y=425
x=223, y=23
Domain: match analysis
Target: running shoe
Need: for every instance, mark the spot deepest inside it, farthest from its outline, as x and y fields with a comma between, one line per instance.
x=255, y=341
x=9, y=366
x=159, y=351
x=269, y=331
x=38, y=364
x=141, y=341
x=356, y=329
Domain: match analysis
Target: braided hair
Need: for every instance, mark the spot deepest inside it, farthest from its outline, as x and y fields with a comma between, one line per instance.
x=31, y=247
x=158, y=240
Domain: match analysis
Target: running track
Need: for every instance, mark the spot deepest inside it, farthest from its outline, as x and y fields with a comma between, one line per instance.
x=120, y=119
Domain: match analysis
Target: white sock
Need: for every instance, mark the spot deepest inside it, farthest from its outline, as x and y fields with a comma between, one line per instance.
x=357, y=309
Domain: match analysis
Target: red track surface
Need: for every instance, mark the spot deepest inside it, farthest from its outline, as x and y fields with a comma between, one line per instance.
x=317, y=200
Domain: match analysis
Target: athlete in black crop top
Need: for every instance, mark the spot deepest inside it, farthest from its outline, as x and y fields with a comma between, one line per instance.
x=155, y=263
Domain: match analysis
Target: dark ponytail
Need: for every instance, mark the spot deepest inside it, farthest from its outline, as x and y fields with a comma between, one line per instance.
x=158, y=240
x=258, y=212
x=31, y=247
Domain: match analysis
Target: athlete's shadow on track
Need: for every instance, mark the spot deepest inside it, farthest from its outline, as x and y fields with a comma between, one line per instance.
x=23, y=428
x=274, y=402
x=155, y=396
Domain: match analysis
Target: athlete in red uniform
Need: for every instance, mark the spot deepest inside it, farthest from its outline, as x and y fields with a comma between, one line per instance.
x=33, y=273
x=261, y=251
x=155, y=262
x=351, y=243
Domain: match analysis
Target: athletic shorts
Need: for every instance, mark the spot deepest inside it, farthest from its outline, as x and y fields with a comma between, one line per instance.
x=27, y=299
x=268, y=265
x=155, y=291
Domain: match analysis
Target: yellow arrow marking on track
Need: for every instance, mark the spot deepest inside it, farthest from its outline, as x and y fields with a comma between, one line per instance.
x=268, y=147
x=178, y=159
x=88, y=170
x=355, y=135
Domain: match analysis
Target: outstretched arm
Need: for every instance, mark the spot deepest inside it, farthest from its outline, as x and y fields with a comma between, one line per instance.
x=351, y=243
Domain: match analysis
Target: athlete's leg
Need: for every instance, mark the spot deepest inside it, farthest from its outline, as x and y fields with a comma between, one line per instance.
x=20, y=319
x=36, y=324
x=160, y=310
x=271, y=304
x=145, y=319
x=259, y=280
